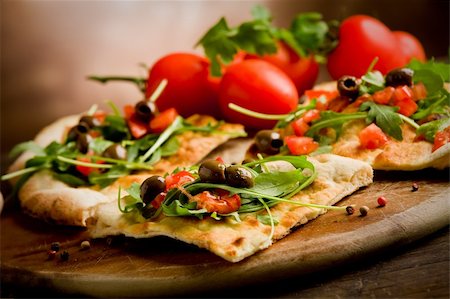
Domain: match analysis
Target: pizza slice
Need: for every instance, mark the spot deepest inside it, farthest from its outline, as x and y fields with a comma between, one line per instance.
x=232, y=210
x=400, y=121
x=76, y=162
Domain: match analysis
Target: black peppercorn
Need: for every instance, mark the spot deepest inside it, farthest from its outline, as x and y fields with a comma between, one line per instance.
x=55, y=246
x=64, y=255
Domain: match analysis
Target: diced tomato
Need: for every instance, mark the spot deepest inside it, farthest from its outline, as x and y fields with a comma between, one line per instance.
x=300, y=145
x=338, y=104
x=407, y=106
x=156, y=203
x=372, y=137
x=401, y=93
x=441, y=138
x=128, y=110
x=311, y=115
x=218, y=201
x=137, y=127
x=161, y=121
x=323, y=97
x=100, y=115
x=384, y=96
x=300, y=126
x=419, y=91
x=178, y=179
x=85, y=170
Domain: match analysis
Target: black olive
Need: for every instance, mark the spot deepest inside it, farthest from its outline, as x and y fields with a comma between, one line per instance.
x=148, y=211
x=115, y=151
x=90, y=121
x=401, y=76
x=348, y=86
x=268, y=141
x=83, y=141
x=151, y=187
x=239, y=177
x=212, y=171
x=76, y=131
x=145, y=110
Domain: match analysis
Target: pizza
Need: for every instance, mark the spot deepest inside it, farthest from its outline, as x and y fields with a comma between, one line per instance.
x=400, y=121
x=77, y=162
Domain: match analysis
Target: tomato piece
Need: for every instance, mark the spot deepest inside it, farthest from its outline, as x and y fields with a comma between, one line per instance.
x=361, y=39
x=383, y=96
x=311, y=115
x=100, y=115
x=441, y=138
x=407, y=107
x=338, y=104
x=218, y=201
x=161, y=121
x=137, y=127
x=303, y=71
x=128, y=110
x=190, y=88
x=300, y=127
x=419, y=91
x=323, y=97
x=158, y=200
x=300, y=145
x=410, y=46
x=402, y=93
x=178, y=179
x=258, y=86
x=372, y=137
x=85, y=170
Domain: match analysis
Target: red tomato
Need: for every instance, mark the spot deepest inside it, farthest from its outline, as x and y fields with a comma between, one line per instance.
x=220, y=202
x=137, y=127
x=311, y=115
x=384, y=96
x=189, y=90
x=407, y=107
x=441, y=138
x=303, y=71
x=178, y=179
x=258, y=86
x=372, y=137
x=419, y=91
x=361, y=39
x=300, y=126
x=300, y=145
x=156, y=203
x=323, y=97
x=85, y=170
x=161, y=121
x=402, y=93
x=410, y=46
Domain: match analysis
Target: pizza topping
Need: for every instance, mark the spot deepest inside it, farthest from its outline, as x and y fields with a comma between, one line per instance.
x=115, y=151
x=239, y=177
x=212, y=171
x=348, y=86
x=217, y=201
x=145, y=110
x=268, y=141
x=90, y=121
x=382, y=201
x=372, y=137
x=151, y=187
x=399, y=77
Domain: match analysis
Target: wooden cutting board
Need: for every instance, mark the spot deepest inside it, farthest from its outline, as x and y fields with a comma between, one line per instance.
x=160, y=266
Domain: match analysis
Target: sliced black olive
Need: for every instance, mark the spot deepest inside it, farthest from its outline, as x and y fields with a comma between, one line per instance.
x=151, y=187
x=76, y=131
x=83, y=141
x=212, y=171
x=115, y=151
x=348, y=86
x=268, y=141
x=148, y=211
x=401, y=76
x=90, y=121
x=239, y=177
x=145, y=110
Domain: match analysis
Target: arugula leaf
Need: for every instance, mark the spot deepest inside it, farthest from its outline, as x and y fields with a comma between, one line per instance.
x=26, y=146
x=107, y=178
x=372, y=82
x=170, y=147
x=99, y=145
x=266, y=219
x=385, y=117
x=69, y=179
x=440, y=68
x=429, y=129
x=115, y=128
x=438, y=104
x=278, y=183
x=176, y=208
x=432, y=80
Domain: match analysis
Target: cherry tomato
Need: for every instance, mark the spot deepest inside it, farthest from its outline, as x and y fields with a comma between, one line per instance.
x=178, y=179
x=258, y=86
x=303, y=71
x=190, y=88
x=161, y=121
x=441, y=138
x=220, y=202
x=372, y=137
x=361, y=39
x=410, y=46
x=300, y=145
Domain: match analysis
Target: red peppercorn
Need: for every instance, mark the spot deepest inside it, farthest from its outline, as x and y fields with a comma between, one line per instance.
x=51, y=254
x=414, y=187
x=382, y=201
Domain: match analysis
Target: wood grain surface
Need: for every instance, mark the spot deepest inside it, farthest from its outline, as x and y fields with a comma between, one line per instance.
x=164, y=267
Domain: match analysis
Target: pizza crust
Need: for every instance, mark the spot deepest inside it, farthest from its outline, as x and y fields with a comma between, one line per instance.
x=45, y=197
x=232, y=240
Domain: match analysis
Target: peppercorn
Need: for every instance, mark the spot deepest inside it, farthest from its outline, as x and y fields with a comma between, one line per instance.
x=350, y=210
x=364, y=210
x=414, y=187
x=64, y=255
x=55, y=246
x=85, y=245
x=382, y=201
x=51, y=254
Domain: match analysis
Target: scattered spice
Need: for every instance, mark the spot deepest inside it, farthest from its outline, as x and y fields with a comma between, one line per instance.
x=350, y=210
x=364, y=210
x=51, y=254
x=382, y=201
x=414, y=187
x=55, y=246
x=64, y=255
x=85, y=245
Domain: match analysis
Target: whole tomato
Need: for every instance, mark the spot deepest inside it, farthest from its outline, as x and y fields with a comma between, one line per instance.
x=303, y=71
x=410, y=46
x=190, y=88
x=258, y=86
x=361, y=39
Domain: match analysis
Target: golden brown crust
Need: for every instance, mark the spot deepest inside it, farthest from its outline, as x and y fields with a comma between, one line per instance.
x=232, y=240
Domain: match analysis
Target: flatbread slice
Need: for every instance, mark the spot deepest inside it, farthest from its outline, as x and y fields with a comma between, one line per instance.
x=232, y=240
x=44, y=197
